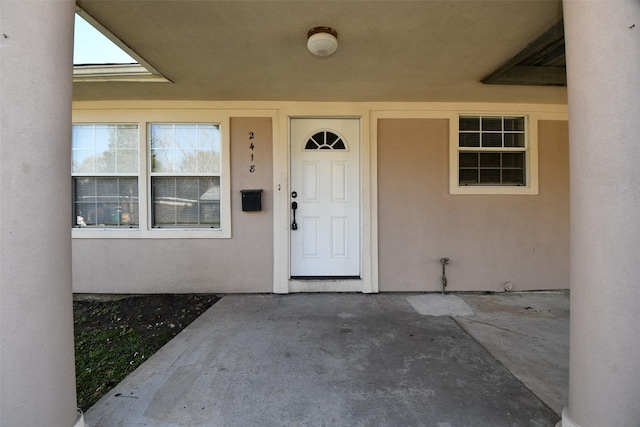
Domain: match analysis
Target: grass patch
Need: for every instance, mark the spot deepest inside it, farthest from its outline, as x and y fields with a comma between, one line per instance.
x=112, y=338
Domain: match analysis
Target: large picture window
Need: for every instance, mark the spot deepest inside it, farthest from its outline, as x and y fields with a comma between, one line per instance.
x=150, y=173
x=185, y=175
x=104, y=167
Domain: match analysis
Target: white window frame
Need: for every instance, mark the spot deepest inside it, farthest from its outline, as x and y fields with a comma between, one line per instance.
x=143, y=118
x=158, y=174
x=530, y=150
x=93, y=174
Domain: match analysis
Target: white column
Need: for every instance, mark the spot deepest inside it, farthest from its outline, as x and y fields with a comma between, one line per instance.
x=603, y=70
x=37, y=375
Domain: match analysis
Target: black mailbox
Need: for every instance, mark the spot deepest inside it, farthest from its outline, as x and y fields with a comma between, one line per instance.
x=251, y=200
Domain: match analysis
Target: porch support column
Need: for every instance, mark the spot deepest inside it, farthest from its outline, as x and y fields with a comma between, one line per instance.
x=37, y=375
x=603, y=69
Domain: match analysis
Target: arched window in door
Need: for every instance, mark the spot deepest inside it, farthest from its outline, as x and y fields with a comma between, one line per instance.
x=325, y=140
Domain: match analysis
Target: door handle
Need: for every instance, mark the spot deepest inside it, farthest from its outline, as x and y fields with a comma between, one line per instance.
x=294, y=224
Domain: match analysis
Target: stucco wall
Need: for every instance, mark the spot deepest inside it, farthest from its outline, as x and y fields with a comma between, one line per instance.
x=243, y=263
x=490, y=239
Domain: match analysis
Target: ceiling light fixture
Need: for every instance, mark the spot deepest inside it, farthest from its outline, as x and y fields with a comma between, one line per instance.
x=322, y=41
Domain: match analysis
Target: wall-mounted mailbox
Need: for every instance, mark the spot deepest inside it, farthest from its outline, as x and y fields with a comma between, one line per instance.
x=251, y=200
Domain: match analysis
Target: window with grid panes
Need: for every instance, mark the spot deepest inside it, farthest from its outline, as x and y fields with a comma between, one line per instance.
x=104, y=169
x=492, y=150
x=185, y=167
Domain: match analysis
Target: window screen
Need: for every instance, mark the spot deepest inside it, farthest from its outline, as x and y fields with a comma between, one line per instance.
x=492, y=150
x=185, y=175
x=104, y=168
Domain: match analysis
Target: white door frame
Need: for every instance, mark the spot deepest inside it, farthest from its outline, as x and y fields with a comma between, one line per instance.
x=368, y=282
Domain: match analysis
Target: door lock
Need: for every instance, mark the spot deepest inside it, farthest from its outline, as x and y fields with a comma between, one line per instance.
x=294, y=206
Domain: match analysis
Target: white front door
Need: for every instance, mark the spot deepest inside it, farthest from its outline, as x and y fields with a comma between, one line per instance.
x=325, y=188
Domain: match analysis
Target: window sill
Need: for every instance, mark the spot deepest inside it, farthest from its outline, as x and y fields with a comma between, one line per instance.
x=531, y=190
x=137, y=233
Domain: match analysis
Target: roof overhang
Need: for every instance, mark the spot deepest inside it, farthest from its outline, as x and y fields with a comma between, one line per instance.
x=389, y=51
x=540, y=63
x=115, y=73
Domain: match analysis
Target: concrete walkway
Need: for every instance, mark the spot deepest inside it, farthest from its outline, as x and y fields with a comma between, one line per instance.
x=355, y=360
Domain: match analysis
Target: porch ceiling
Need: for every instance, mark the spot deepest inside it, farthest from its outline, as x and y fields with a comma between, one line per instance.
x=389, y=50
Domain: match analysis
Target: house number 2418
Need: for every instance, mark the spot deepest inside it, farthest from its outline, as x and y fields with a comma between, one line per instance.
x=252, y=167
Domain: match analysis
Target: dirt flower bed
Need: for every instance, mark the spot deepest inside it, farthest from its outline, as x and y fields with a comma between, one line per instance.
x=113, y=337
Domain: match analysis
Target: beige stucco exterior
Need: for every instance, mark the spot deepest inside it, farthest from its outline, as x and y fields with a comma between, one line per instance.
x=410, y=219
x=242, y=263
x=37, y=375
x=602, y=40
x=604, y=374
x=489, y=239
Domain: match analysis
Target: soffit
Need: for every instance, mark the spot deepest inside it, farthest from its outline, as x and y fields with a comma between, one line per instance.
x=388, y=50
x=542, y=62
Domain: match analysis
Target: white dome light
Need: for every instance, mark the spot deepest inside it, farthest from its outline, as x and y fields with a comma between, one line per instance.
x=322, y=41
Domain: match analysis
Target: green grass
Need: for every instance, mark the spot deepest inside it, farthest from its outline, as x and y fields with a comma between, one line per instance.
x=113, y=337
x=104, y=358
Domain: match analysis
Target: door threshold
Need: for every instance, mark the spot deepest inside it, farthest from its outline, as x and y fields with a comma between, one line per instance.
x=330, y=284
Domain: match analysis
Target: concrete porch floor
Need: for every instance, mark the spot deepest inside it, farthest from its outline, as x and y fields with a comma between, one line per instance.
x=355, y=360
